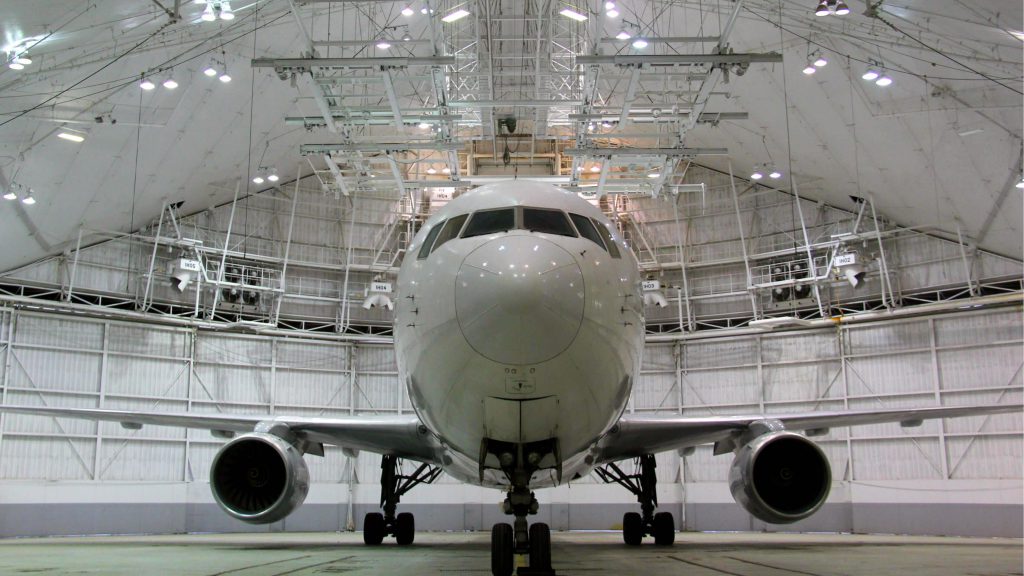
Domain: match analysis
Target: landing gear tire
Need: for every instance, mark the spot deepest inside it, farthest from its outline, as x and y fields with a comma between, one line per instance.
x=405, y=529
x=540, y=547
x=502, y=547
x=632, y=528
x=373, y=529
x=664, y=529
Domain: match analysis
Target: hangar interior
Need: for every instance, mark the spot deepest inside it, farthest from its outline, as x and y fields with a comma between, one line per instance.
x=813, y=240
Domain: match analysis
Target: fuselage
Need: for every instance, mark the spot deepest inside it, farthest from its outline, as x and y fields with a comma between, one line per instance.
x=518, y=319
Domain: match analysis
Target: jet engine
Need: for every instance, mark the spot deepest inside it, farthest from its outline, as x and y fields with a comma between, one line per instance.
x=259, y=478
x=780, y=477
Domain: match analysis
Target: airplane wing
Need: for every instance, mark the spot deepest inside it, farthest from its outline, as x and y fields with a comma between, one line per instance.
x=635, y=435
x=402, y=436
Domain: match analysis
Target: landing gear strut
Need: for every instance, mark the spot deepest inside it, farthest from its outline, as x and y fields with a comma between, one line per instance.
x=394, y=485
x=518, y=462
x=642, y=484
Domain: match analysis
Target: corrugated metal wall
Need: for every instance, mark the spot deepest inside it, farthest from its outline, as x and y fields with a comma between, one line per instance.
x=964, y=358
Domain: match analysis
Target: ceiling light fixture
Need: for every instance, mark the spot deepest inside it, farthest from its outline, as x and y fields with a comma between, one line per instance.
x=225, y=77
x=757, y=174
x=570, y=13
x=654, y=175
x=210, y=70
x=454, y=16
x=810, y=69
x=383, y=44
x=842, y=9
x=431, y=170
x=871, y=73
x=819, y=59
x=170, y=84
x=28, y=199
x=639, y=43
x=610, y=10
x=208, y=14
x=1018, y=184
x=446, y=170
x=595, y=168
x=15, y=65
x=406, y=37
x=883, y=80
x=146, y=84
x=423, y=126
x=407, y=11
x=71, y=135
x=775, y=174
x=23, y=60
x=822, y=9
x=272, y=176
x=622, y=35
x=11, y=194
x=225, y=11
x=258, y=179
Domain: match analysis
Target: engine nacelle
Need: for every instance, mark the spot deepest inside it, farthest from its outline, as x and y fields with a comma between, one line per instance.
x=780, y=477
x=259, y=478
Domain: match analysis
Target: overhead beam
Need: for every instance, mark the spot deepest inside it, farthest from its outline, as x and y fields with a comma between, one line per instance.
x=353, y=63
x=669, y=152
x=636, y=116
x=377, y=147
x=360, y=120
x=389, y=88
x=511, y=103
x=678, y=59
x=662, y=39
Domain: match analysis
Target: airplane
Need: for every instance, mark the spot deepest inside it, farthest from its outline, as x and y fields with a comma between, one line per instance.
x=518, y=330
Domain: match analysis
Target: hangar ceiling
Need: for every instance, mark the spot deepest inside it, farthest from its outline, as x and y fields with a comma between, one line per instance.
x=719, y=84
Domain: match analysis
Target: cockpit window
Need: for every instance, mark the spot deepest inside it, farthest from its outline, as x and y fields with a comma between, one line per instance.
x=547, y=221
x=451, y=230
x=587, y=230
x=491, y=221
x=429, y=241
x=603, y=231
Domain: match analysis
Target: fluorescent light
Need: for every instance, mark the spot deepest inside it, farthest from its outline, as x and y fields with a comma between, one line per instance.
x=170, y=84
x=16, y=66
x=71, y=136
x=810, y=70
x=146, y=84
x=210, y=71
x=639, y=43
x=407, y=11
x=225, y=78
x=457, y=15
x=383, y=44
x=883, y=80
x=10, y=195
x=570, y=13
x=622, y=35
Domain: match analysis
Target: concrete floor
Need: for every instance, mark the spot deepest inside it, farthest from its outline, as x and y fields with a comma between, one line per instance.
x=468, y=554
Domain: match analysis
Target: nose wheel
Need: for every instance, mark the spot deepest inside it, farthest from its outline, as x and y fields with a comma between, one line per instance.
x=393, y=485
x=642, y=484
x=507, y=540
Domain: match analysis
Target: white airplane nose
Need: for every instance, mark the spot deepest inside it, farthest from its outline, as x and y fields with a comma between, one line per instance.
x=519, y=299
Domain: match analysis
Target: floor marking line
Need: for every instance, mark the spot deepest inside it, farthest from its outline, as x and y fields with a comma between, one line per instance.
x=794, y=571
x=259, y=565
x=704, y=566
x=314, y=565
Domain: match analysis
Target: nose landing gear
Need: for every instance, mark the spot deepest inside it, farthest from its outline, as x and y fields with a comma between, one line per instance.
x=393, y=486
x=642, y=484
x=507, y=541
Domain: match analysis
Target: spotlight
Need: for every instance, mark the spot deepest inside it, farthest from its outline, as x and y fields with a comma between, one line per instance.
x=883, y=80
x=454, y=16
x=570, y=13
x=146, y=84
x=622, y=35
x=170, y=84
x=28, y=199
x=208, y=14
x=757, y=174
x=407, y=11
x=225, y=11
x=639, y=43
x=210, y=70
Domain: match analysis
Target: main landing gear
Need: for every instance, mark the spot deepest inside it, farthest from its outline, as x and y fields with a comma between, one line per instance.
x=642, y=484
x=393, y=486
